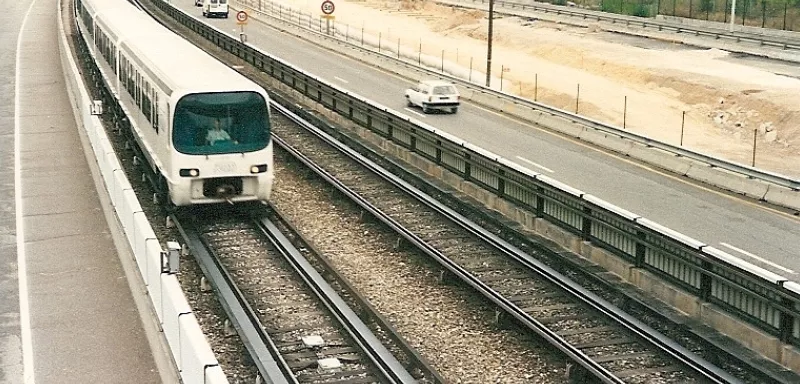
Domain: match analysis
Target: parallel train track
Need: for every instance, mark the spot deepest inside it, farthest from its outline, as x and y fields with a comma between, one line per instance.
x=616, y=353
x=295, y=326
x=603, y=340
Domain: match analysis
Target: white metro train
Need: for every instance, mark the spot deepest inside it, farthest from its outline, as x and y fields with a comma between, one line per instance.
x=203, y=128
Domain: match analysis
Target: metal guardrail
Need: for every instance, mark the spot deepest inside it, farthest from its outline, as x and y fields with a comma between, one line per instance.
x=749, y=293
x=717, y=33
x=578, y=120
x=770, y=177
x=669, y=347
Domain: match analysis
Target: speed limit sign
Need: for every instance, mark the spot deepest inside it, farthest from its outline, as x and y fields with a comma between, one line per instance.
x=241, y=17
x=327, y=7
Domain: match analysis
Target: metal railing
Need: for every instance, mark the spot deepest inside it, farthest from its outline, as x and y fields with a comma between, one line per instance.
x=752, y=294
x=716, y=33
x=479, y=91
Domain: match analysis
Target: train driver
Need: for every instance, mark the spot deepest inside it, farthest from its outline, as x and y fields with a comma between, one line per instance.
x=216, y=133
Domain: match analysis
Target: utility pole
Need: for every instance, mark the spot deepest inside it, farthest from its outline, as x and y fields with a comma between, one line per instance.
x=489, y=46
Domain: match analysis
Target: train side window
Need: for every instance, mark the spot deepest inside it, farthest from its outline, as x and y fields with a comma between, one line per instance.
x=155, y=109
x=138, y=90
x=146, y=103
x=130, y=80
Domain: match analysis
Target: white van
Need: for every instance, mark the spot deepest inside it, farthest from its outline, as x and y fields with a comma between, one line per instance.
x=215, y=8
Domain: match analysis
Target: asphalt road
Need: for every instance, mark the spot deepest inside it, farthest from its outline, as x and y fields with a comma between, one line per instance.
x=740, y=227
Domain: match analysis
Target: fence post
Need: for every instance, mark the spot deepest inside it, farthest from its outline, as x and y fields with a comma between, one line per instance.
x=785, y=8
x=691, y=4
x=442, y=60
x=725, y=11
x=640, y=249
x=379, y=41
x=398, y=47
x=787, y=321
x=501, y=182
x=625, y=113
x=705, y=281
x=755, y=137
x=577, y=98
x=683, y=123
x=763, y=13
x=470, y=69
x=744, y=12
x=467, y=167
x=536, y=87
x=586, y=224
x=502, y=69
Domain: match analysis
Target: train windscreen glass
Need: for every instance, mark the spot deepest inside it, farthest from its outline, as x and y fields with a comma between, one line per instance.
x=216, y=123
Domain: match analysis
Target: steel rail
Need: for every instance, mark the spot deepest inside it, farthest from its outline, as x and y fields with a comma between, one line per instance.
x=376, y=352
x=263, y=351
x=712, y=373
x=349, y=290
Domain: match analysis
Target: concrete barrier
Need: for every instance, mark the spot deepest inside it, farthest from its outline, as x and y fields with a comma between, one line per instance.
x=783, y=196
x=473, y=93
x=190, y=350
x=727, y=180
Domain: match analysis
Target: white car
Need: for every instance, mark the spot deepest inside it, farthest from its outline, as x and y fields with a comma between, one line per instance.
x=434, y=95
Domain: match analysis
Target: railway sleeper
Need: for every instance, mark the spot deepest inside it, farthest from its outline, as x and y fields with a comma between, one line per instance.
x=314, y=377
x=606, y=342
x=556, y=319
x=648, y=371
x=572, y=332
x=523, y=297
x=544, y=308
x=628, y=356
x=501, y=277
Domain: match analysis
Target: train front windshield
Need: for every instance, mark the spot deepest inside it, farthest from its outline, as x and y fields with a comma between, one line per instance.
x=217, y=123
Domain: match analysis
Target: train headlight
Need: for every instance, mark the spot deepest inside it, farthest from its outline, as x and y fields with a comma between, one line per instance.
x=190, y=172
x=261, y=168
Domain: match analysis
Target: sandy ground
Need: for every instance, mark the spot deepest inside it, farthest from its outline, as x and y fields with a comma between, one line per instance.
x=725, y=98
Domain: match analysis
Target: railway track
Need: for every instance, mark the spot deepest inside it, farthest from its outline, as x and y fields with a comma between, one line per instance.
x=616, y=356
x=601, y=340
x=295, y=326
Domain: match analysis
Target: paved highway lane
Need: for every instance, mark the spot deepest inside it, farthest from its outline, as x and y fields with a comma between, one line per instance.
x=10, y=338
x=742, y=228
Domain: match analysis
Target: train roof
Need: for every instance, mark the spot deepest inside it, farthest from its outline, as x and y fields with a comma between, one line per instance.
x=172, y=60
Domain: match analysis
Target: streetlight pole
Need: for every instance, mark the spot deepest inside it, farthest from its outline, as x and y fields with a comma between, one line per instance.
x=733, y=13
x=489, y=46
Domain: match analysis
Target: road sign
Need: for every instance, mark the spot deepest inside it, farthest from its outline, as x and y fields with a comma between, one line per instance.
x=328, y=17
x=241, y=17
x=327, y=7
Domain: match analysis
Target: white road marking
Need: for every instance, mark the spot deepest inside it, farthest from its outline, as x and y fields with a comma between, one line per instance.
x=414, y=112
x=340, y=79
x=536, y=165
x=742, y=251
x=22, y=269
